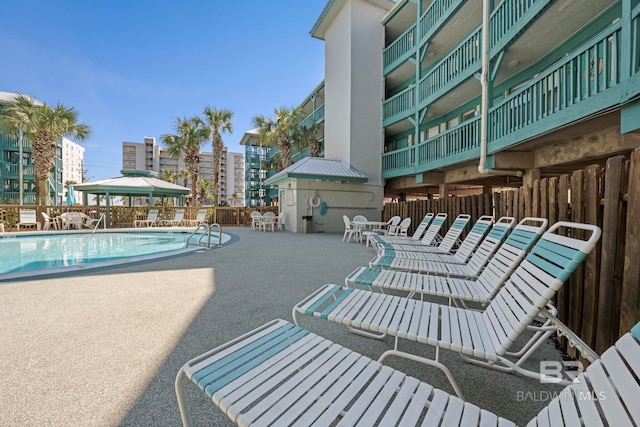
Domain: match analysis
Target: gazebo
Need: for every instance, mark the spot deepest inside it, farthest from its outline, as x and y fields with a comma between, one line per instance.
x=133, y=183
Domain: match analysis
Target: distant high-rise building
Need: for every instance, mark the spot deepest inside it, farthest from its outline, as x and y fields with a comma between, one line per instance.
x=151, y=157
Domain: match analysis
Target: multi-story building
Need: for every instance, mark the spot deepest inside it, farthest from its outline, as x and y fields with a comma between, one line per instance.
x=151, y=157
x=259, y=160
x=73, y=164
x=255, y=171
x=18, y=176
x=478, y=96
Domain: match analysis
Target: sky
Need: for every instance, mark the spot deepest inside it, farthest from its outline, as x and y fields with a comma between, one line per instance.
x=131, y=67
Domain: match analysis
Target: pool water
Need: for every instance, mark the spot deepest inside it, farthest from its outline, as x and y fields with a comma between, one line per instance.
x=53, y=251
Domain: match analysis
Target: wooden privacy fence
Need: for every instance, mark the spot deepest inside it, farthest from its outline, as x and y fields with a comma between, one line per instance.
x=123, y=216
x=602, y=300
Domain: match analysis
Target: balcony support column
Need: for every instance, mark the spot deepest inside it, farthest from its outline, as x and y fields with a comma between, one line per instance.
x=443, y=190
x=530, y=175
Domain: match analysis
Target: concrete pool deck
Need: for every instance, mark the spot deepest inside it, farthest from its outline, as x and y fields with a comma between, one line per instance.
x=102, y=347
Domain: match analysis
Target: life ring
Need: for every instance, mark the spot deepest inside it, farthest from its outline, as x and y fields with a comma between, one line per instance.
x=315, y=201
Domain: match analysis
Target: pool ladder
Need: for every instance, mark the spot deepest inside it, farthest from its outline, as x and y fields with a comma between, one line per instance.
x=207, y=228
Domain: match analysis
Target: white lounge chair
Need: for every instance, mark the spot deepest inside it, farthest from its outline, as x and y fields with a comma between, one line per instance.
x=177, y=220
x=201, y=218
x=480, y=290
x=482, y=337
x=152, y=219
x=278, y=373
x=445, y=245
x=28, y=218
x=417, y=234
x=446, y=264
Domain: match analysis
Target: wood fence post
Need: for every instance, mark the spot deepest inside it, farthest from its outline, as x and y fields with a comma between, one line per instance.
x=609, y=285
x=630, y=303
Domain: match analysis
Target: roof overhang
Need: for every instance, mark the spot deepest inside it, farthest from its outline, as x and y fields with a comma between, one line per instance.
x=320, y=169
x=331, y=10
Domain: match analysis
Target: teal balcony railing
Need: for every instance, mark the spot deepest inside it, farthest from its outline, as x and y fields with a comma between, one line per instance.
x=457, y=66
x=451, y=146
x=316, y=116
x=584, y=78
x=583, y=83
x=13, y=197
x=399, y=105
x=13, y=170
x=402, y=161
x=510, y=17
x=401, y=48
x=433, y=17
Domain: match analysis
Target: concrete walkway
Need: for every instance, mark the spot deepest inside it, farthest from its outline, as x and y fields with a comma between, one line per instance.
x=102, y=348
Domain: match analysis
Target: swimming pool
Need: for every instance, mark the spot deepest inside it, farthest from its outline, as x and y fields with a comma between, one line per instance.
x=38, y=253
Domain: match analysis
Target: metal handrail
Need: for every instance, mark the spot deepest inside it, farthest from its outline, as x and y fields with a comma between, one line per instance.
x=208, y=234
x=102, y=219
x=219, y=232
x=208, y=228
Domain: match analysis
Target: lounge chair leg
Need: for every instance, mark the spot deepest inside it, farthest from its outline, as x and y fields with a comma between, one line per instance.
x=430, y=362
x=365, y=333
x=180, y=396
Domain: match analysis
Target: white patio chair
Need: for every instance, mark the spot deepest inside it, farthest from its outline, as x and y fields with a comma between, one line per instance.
x=28, y=218
x=178, y=219
x=50, y=222
x=403, y=227
x=256, y=217
x=349, y=229
x=280, y=221
x=268, y=220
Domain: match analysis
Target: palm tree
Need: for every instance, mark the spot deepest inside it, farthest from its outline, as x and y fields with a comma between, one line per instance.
x=169, y=175
x=189, y=137
x=233, y=199
x=217, y=121
x=204, y=190
x=277, y=131
x=43, y=126
x=309, y=136
x=184, y=174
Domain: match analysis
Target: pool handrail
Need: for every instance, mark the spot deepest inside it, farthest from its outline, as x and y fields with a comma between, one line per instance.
x=208, y=228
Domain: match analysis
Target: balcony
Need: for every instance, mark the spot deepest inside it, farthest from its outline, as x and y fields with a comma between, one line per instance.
x=583, y=83
x=463, y=61
x=13, y=171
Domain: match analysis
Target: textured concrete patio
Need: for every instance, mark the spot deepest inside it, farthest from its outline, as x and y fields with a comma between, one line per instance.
x=102, y=348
